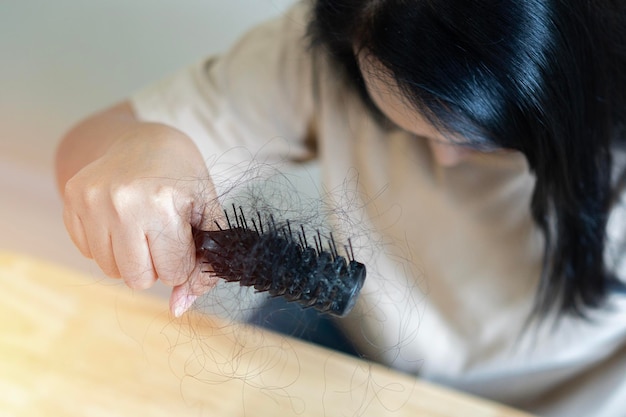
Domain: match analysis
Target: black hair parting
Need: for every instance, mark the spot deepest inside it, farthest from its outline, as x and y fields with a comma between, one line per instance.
x=273, y=259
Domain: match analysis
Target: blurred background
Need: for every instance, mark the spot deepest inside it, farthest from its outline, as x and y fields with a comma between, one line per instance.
x=65, y=59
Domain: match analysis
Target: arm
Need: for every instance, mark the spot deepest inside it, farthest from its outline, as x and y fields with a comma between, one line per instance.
x=74, y=152
x=132, y=192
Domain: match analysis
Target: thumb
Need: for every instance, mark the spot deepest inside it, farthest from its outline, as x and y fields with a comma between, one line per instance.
x=200, y=281
x=181, y=299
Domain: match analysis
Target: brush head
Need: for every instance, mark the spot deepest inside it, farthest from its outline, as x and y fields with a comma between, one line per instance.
x=275, y=261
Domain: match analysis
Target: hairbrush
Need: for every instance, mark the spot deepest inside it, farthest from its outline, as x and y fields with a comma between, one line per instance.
x=278, y=261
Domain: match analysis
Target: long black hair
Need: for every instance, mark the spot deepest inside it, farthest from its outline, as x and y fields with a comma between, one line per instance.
x=543, y=77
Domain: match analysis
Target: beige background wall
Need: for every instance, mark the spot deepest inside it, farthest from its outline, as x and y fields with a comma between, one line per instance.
x=61, y=60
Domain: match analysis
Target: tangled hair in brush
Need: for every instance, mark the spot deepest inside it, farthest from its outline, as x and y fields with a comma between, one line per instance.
x=281, y=235
x=282, y=262
x=546, y=78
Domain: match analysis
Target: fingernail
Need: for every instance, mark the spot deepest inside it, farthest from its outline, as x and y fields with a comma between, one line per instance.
x=183, y=304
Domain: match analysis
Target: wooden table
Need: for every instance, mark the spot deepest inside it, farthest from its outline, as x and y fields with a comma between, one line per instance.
x=70, y=346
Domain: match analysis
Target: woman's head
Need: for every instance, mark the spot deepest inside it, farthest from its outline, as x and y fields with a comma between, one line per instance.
x=543, y=77
x=447, y=150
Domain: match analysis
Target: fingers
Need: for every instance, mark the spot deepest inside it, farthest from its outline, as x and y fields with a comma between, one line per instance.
x=76, y=230
x=142, y=254
x=98, y=246
x=173, y=252
x=102, y=249
x=133, y=258
x=140, y=248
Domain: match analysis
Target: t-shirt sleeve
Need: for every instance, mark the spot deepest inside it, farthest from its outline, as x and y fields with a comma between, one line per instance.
x=253, y=103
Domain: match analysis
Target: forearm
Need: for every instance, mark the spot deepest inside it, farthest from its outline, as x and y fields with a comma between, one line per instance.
x=90, y=139
x=94, y=136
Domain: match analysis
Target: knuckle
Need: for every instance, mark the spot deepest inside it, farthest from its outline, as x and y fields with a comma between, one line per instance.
x=91, y=196
x=73, y=191
x=81, y=194
x=138, y=196
x=123, y=196
x=168, y=200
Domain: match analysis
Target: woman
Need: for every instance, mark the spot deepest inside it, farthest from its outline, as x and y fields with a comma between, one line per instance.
x=488, y=142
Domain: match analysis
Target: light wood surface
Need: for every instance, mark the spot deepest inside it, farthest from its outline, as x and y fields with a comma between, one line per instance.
x=70, y=346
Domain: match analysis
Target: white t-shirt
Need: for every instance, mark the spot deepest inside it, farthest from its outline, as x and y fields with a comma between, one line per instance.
x=453, y=255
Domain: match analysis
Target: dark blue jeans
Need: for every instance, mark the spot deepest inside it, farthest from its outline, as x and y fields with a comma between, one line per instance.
x=303, y=323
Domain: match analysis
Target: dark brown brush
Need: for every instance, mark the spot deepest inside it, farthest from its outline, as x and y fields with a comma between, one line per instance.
x=276, y=260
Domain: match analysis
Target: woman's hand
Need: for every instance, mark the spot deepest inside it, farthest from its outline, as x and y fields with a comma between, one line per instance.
x=133, y=203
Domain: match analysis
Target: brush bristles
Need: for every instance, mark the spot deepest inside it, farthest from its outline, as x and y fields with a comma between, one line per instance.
x=274, y=260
